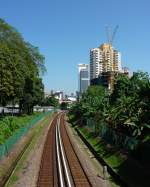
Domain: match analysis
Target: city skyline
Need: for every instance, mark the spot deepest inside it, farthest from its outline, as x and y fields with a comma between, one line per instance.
x=65, y=32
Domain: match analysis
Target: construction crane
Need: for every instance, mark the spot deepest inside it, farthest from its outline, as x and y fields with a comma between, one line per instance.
x=111, y=35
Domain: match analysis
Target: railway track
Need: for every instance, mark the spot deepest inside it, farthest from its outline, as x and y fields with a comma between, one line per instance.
x=60, y=166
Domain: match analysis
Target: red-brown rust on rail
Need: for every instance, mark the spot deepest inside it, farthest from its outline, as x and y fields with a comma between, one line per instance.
x=48, y=170
x=79, y=176
x=48, y=174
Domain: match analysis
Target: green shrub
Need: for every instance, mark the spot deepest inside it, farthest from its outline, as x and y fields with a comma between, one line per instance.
x=10, y=124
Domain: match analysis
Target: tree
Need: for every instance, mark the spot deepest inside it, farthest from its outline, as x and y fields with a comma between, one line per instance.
x=51, y=101
x=130, y=100
x=21, y=65
x=63, y=106
x=126, y=110
x=92, y=100
x=11, y=79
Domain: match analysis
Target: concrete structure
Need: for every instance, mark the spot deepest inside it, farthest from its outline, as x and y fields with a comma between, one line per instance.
x=72, y=99
x=104, y=59
x=47, y=94
x=105, y=79
x=125, y=71
x=58, y=95
x=83, y=77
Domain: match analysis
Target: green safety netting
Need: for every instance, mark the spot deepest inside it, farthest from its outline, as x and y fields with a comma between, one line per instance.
x=10, y=142
x=111, y=136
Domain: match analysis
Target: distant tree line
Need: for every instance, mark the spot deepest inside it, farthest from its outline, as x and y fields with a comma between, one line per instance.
x=21, y=67
x=50, y=101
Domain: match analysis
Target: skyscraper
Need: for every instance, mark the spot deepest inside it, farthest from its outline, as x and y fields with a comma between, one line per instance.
x=83, y=77
x=104, y=59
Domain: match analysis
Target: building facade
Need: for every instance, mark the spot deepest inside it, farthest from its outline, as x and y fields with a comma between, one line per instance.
x=106, y=79
x=83, y=77
x=104, y=59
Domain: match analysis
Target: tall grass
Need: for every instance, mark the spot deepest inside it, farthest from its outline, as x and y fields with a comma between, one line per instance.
x=10, y=124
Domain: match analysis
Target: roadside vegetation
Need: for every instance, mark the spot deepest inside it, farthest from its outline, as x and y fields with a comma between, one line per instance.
x=50, y=101
x=126, y=110
x=117, y=125
x=19, y=160
x=37, y=135
x=21, y=67
x=9, y=125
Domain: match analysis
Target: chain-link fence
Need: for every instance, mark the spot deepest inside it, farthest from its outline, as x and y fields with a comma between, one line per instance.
x=111, y=136
x=10, y=142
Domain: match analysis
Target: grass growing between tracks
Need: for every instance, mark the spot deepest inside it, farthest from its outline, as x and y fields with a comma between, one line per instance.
x=21, y=163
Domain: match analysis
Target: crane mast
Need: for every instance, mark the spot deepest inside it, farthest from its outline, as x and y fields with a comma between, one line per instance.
x=111, y=35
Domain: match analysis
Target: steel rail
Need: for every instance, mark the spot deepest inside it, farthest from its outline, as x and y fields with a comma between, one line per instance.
x=60, y=170
x=48, y=173
x=79, y=175
x=65, y=163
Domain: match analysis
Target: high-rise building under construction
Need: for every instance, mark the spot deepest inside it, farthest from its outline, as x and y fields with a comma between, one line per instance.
x=104, y=59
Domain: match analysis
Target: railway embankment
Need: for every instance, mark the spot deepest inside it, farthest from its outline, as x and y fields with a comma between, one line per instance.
x=20, y=165
x=123, y=169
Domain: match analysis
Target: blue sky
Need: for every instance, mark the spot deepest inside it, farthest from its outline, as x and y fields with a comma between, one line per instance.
x=65, y=30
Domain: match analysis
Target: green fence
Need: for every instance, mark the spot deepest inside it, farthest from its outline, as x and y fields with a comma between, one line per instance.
x=10, y=142
x=111, y=136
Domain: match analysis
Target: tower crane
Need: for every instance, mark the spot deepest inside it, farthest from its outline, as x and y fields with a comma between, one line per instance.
x=111, y=35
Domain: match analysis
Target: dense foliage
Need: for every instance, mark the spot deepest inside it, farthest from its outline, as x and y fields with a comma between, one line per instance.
x=21, y=65
x=64, y=106
x=50, y=101
x=9, y=125
x=126, y=110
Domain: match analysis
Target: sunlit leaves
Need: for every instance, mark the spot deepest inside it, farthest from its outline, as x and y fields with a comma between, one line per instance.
x=21, y=65
x=126, y=109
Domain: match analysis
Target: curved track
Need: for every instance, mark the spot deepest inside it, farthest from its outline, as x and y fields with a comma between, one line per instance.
x=60, y=166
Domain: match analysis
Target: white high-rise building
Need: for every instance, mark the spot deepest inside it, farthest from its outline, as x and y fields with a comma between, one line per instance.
x=83, y=77
x=104, y=59
x=94, y=62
